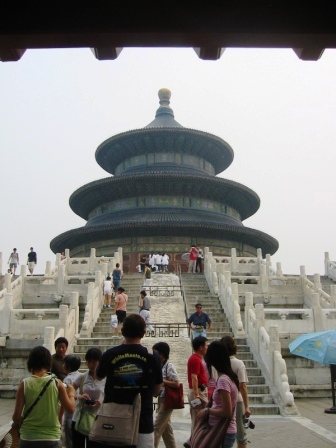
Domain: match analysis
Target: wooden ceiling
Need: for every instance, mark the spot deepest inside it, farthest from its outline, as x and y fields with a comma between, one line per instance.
x=108, y=26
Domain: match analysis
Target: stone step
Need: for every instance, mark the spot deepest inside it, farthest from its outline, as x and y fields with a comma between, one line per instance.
x=253, y=380
x=260, y=399
x=257, y=389
x=264, y=409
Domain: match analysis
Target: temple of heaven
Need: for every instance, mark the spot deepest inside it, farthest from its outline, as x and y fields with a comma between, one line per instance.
x=163, y=196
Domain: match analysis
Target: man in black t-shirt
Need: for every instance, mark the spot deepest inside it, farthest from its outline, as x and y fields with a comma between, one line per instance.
x=32, y=260
x=130, y=369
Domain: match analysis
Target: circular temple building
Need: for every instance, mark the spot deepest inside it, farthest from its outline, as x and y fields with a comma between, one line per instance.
x=164, y=196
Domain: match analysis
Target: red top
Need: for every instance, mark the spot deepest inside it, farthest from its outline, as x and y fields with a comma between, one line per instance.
x=193, y=254
x=196, y=366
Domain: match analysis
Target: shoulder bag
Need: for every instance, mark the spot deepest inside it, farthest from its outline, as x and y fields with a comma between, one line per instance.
x=85, y=418
x=118, y=424
x=173, y=398
x=206, y=436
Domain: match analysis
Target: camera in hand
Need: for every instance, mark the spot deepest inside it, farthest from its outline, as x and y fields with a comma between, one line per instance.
x=248, y=424
x=90, y=402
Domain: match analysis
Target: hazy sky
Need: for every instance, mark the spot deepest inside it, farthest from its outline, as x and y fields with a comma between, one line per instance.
x=277, y=112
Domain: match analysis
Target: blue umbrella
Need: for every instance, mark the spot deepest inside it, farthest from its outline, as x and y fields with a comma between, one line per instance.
x=319, y=347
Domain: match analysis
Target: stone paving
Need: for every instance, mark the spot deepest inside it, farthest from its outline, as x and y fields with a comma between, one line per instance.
x=313, y=429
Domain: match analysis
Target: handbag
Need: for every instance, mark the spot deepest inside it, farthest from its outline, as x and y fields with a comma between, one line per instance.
x=206, y=436
x=173, y=397
x=114, y=321
x=84, y=422
x=85, y=418
x=117, y=424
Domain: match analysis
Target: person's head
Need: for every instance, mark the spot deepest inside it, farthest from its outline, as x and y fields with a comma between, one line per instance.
x=117, y=265
x=92, y=358
x=120, y=290
x=72, y=363
x=163, y=350
x=230, y=344
x=39, y=359
x=14, y=250
x=198, y=308
x=108, y=278
x=31, y=249
x=61, y=346
x=217, y=356
x=143, y=294
x=200, y=345
x=147, y=265
x=134, y=327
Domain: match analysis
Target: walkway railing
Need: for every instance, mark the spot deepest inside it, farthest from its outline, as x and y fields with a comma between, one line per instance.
x=171, y=330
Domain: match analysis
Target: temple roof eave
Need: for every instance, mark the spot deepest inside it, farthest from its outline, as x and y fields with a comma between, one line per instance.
x=87, y=235
x=117, y=148
x=228, y=192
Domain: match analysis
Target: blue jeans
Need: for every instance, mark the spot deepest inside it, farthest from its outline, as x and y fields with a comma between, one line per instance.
x=229, y=441
x=196, y=334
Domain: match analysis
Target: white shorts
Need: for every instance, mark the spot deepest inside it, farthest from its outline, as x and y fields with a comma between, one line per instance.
x=147, y=282
x=108, y=292
x=31, y=265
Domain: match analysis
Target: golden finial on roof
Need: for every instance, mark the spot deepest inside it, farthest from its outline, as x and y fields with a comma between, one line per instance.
x=164, y=96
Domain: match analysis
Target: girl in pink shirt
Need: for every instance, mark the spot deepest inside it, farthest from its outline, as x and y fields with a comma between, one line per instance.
x=225, y=393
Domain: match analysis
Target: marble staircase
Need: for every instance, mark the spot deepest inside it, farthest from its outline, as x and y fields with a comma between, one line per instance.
x=195, y=288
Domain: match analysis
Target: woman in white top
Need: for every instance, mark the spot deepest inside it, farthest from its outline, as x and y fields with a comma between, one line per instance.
x=107, y=290
x=164, y=262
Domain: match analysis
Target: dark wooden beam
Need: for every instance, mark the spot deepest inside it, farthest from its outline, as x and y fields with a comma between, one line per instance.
x=108, y=25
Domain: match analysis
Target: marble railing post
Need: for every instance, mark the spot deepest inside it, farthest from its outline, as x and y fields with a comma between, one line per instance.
x=234, y=261
x=248, y=306
x=268, y=263
x=120, y=251
x=259, y=259
x=0, y=263
x=92, y=261
x=67, y=253
x=317, y=282
x=74, y=299
x=264, y=279
x=47, y=271
x=98, y=283
x=61, y=279
x=49, y=338
x=58, y=259
x=5, y=314
x=63, y=317
x=333, y=295
x=8, y=282
x=317, y=313
x=274, y=345
x=326, y=263
x=23, y=270
x=260, y=321
x=278, y=269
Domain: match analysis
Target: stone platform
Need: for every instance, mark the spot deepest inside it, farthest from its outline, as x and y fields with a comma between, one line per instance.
x=313, y=429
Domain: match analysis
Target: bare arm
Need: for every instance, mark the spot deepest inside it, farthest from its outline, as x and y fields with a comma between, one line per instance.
x=225, y=411
x=17, y=415
x=243, y=391
x=174, y=384
x=66, y=396
x=194, y=384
